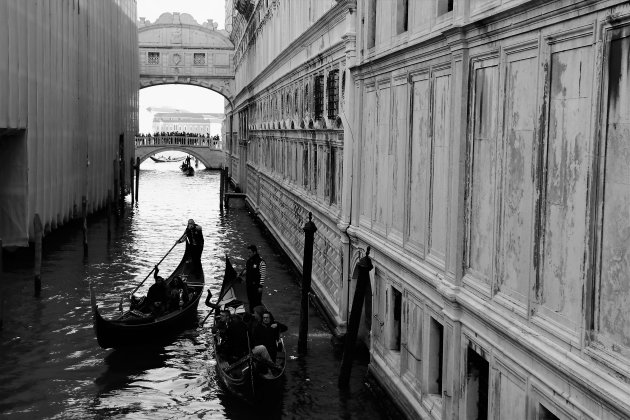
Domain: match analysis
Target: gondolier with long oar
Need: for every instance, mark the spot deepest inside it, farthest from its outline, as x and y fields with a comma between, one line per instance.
x=194, y=244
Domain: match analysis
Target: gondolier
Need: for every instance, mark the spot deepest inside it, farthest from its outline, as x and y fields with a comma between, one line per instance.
x=255, y=275
x=194, y=244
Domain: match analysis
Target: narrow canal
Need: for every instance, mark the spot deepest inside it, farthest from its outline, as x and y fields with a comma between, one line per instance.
x=52, y=367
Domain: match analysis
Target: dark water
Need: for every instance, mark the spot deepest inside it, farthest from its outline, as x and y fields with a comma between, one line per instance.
x=52, y=367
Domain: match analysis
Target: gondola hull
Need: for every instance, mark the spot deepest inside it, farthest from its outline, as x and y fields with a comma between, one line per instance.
x=133, y=328
x=244, y=379
x=149, y=331
x=254, y=381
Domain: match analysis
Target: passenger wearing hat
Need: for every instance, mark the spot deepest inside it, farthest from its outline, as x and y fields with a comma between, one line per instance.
x=194, y=243
x=255, y=274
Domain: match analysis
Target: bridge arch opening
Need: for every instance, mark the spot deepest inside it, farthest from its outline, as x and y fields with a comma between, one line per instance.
x=182, y=118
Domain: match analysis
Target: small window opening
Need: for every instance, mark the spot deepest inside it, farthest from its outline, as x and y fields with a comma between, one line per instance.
x=544, y=414
x=402, y=16
x=319, y=97
x=477, y=373
x=371, y=22
x=436, y=356
x=154, y=58
x=444, y=6
x=395, y=324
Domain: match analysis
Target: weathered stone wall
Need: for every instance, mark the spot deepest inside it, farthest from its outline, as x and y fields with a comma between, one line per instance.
x=486, y=180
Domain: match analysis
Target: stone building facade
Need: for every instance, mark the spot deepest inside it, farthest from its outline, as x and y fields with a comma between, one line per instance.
x=480, y=148
x=68, y=108
x=207, y=124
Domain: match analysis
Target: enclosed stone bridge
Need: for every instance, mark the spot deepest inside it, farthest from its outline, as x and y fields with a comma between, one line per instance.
x=176, y=49
x=206, y=149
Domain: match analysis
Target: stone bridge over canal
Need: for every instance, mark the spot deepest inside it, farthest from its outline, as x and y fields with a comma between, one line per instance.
x=208, y=150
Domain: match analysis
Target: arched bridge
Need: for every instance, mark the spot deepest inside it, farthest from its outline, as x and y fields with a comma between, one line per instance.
x=178, y=50
x=208, y=150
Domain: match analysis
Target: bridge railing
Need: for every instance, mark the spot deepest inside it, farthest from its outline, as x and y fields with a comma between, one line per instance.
x=182, y=141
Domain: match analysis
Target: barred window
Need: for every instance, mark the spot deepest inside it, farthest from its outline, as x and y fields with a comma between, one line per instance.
x=199, y=59
x=306, y=98
x=154, y=58
x=295, y=101
x=333, y=94
x=319, y=97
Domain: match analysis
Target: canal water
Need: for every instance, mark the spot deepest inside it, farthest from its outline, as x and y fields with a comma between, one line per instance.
x=52, y=367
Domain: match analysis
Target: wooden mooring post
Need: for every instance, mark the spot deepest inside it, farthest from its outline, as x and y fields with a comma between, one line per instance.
x=109, y=215
x=131, y=168
x=364, y=266
x=1, y=297
x=85, y=233
x=137, y=168
x=307, y=268
x=116, y=192
x=38, y=232
x=221, y=190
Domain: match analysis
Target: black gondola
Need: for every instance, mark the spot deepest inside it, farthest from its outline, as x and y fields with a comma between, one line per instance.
x=167, y=159
x=135, y=328
x=248, y=378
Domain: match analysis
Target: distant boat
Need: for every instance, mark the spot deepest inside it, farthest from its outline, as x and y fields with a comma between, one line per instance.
x=167, y=159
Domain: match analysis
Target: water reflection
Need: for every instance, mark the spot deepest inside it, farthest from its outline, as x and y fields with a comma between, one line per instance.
x=52, y=366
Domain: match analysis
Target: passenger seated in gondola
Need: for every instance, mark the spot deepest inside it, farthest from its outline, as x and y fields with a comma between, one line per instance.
x=157, y=296
x=233, y=333
x=266, y=337
x=178, y=294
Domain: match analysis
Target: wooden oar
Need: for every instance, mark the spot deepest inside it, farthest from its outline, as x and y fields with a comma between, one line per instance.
x=145, y=279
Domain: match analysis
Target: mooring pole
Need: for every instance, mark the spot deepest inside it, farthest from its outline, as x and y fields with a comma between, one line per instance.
x=226, y=179
x=1, y=297
x=37, y=229
x=109, y=215
x=84, y=215
x=116, y=192
x=364, y=266
x=131, y=167
x=137, y=167
x=221, y=190
x=307, y=268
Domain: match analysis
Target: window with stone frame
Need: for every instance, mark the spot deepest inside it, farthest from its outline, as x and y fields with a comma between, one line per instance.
x=333, y=94
x=199, y=59
x=444, y=6
x=402, y=16
x=333, y=175
x=154, y=58
x=306, y=98
x=319, y=97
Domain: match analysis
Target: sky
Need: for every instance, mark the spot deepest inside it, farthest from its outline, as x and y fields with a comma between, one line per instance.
x=189, y=98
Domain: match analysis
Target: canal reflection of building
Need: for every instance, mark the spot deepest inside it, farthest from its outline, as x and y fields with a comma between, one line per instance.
x=465, y=142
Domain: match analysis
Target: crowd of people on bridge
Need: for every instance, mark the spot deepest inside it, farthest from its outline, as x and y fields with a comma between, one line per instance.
x=177, y=138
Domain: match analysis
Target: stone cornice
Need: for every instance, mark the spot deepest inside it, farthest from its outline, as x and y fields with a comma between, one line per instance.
x=532, y=15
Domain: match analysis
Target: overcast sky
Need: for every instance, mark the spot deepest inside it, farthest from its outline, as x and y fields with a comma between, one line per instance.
x=190, y=98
